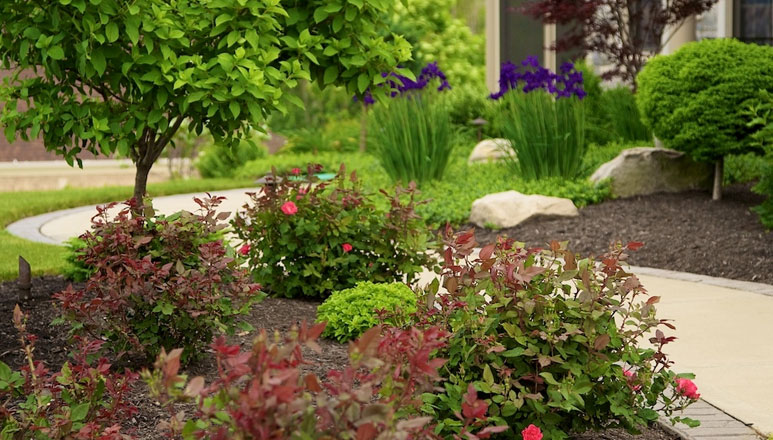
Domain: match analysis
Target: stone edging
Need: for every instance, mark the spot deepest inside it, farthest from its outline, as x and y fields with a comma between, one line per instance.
x=747, y=286
x=715, y=425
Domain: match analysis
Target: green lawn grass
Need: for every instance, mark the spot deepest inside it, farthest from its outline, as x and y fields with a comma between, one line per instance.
x=49, y=259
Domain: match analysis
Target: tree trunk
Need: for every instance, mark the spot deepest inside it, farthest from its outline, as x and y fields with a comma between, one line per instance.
x=364, y=127
x=141, y=181
x=719, y=168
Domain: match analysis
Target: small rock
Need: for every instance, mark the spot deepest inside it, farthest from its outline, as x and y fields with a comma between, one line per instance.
x=646, y=170
x=508, y=209
x=490, y=150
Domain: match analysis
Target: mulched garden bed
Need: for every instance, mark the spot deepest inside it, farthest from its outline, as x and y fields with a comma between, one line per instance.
x=272, y=313
x=686, y=232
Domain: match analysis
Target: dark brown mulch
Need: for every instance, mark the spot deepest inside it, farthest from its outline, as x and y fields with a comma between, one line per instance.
x=686, y=232
x=272, y=313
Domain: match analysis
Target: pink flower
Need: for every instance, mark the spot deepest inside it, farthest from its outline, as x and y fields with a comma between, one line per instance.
x=631, y=377
x=296, y=171
x=687, y=388
x=346, y=247
x=532, y=433
x=244, y=250
x=289, y=208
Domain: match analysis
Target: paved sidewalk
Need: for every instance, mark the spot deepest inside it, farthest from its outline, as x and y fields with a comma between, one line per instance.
x=724, y=326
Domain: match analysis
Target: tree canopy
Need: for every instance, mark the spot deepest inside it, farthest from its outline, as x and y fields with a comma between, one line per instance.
x=121, y=76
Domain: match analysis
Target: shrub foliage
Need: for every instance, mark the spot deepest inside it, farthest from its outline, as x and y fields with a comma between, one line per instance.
x=549, y=341
x=348, y=313
x=262, y=394
x=695, y=99
x=84, y=400
x=159, y=281
x=310, y=239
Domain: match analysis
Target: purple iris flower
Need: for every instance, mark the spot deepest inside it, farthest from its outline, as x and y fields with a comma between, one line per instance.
x=531, y=76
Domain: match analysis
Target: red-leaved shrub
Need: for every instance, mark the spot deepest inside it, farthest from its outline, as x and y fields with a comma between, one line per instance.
x=83, y=401
x=159, y=281
x=264, y=393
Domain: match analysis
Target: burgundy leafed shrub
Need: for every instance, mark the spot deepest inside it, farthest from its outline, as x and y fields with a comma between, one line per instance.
x=550, y=339
x=264, y=394
x=83, y=401
x=159, y=282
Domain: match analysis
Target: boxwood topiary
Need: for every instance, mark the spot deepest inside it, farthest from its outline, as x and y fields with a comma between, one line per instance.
x=694, y=100
x=350, y=312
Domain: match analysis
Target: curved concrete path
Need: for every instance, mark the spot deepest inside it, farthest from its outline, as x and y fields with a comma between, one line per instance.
x=725, y=327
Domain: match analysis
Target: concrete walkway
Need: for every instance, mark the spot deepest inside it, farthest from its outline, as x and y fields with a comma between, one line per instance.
x=725, y=327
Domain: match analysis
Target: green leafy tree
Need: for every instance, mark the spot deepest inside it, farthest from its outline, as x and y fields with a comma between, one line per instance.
x=109, y=76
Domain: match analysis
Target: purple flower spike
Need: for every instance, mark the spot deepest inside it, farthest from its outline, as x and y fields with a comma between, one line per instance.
x=535, y=77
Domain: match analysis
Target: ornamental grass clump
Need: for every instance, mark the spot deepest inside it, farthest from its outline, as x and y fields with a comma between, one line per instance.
x=411, y=133
x=543, y=118
x=308, y=239
x=551, y=340
x=159, y=282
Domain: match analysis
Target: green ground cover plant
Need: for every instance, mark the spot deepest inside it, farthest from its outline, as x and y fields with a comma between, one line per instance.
x=304, y=239
x=51, y=259
x=557, y=343
x=696, y=99
x=349, y=313
x=159, y=282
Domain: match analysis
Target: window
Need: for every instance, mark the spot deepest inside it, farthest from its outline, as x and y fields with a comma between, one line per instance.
x=755, y=21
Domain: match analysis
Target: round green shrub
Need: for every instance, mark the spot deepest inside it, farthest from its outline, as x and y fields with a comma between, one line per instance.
x=694, y=100
x=351, y=312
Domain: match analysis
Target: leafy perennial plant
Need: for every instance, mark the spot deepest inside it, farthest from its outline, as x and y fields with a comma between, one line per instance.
x=159, y=281
x=550, y=340
x=309, y=239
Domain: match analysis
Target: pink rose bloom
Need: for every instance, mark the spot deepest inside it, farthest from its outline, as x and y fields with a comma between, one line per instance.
x=244, y=250
x=289, y=208
x=687, y=388
x=631, y=377
x=296, y=171
x=347, y=247
x=532, y=433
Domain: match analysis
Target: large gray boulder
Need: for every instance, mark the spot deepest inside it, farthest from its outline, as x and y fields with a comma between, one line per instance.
x=646, y=170
x=490, y=150
x=508, y=209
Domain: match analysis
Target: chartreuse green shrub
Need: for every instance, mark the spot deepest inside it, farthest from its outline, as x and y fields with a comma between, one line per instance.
x=159, y=282
x=695, y=99
x=348, y=313
x=309, y=239
x=550, y=339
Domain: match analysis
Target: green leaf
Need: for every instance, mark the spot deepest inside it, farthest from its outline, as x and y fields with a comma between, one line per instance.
x=488, y=376
x=55, y=52
x=79, y=412
x=363, y=81
x=320, y=14
x=132, y=29
x=549, y=378
x=331, y=74
x=111, y=31
x=235, y=108
x=98, y=61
